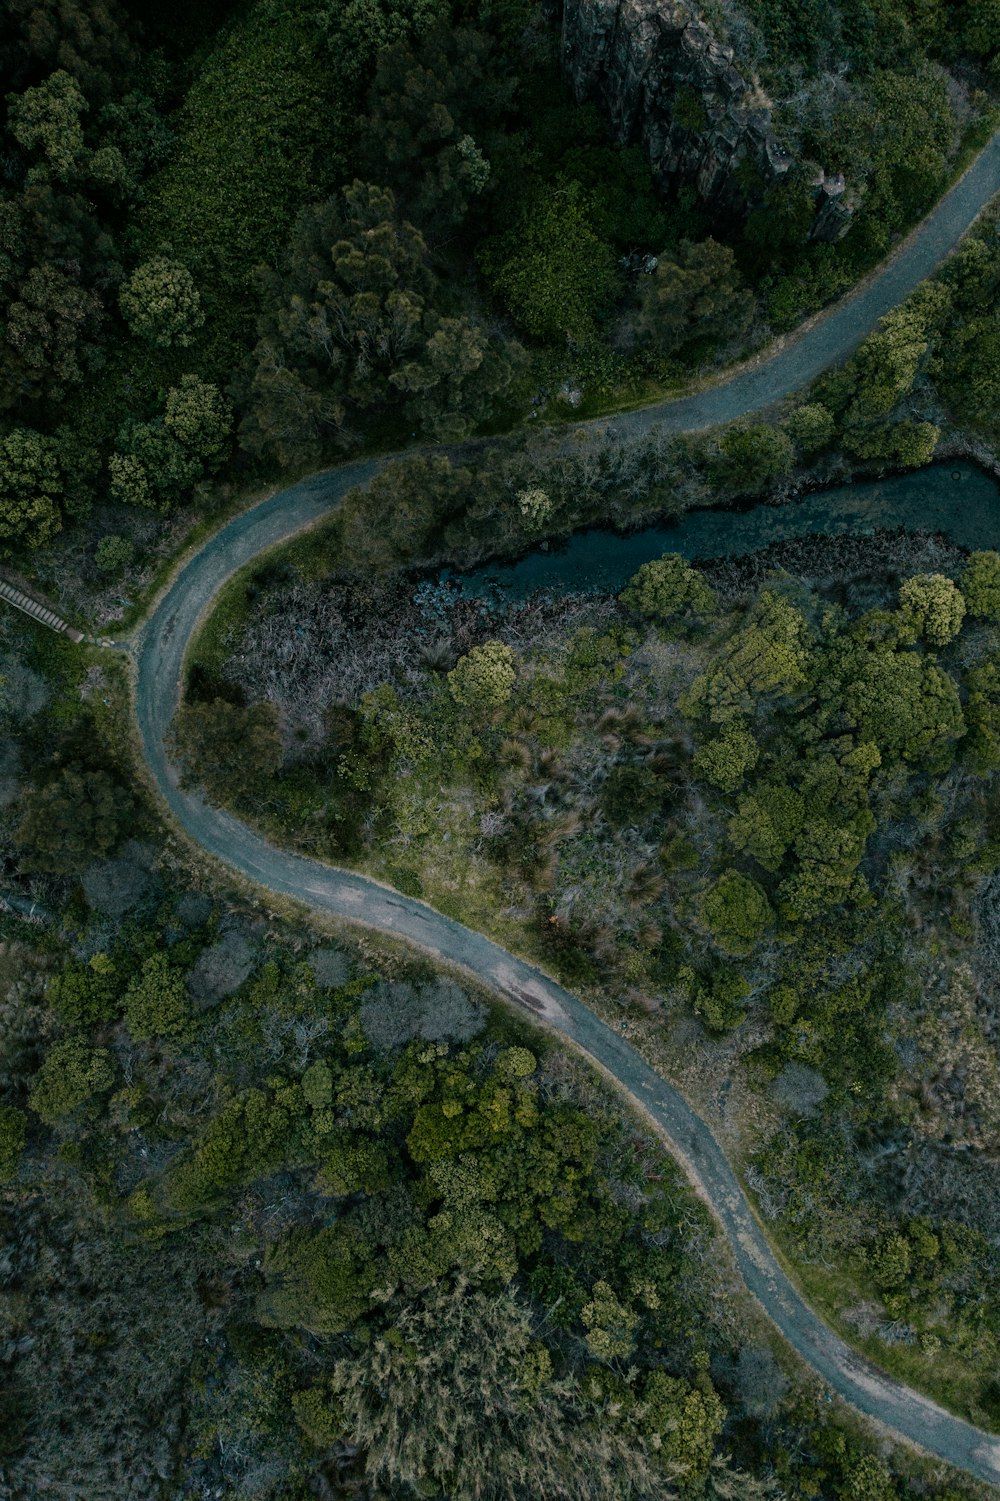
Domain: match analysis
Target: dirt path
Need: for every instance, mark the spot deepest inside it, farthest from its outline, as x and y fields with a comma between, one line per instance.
x=160, y=646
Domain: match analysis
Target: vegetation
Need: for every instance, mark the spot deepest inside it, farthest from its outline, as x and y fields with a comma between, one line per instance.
x=739, y=806
x=285, y=1218
x=410, y=231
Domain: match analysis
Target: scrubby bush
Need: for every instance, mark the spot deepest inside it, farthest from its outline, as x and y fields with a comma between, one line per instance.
x=72, y=1073
x=483, y=680
x=932, y=607
x=156, y=1002
x=736, y=912
x=668, y=588
x=981, y=585
x=438, y=1011
x=221, y=969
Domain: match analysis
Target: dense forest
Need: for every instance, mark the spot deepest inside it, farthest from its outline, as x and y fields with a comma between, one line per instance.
x=261, y=235
x=286, y=1214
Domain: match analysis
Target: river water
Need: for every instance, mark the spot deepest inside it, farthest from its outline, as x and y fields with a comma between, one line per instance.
x=958, y=500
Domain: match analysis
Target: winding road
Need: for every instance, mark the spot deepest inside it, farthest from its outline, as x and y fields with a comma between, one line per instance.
x=159, y=648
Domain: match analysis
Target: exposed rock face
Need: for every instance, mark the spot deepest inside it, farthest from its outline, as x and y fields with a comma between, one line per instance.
x=665, y=80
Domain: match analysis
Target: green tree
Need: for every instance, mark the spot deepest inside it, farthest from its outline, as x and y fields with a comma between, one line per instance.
x=73, y=820
x=610, y=1325
x=31, y=487
x=982, y=716
x=726, y=760
x=694, y=297
x=890, y=1264
x=668, y=587
x=483, y=680
x=50, y=324
x=551, y=269
x=511, y=1428
x=82, y=994
x=12, y=1138
x=160, y=303
x=355, y=317
x=981, y=585
x=905, y=704
x=908, y=443
x=458, y=379
x=811, y=428
x=199, y=417
x=113, y=554
x=321, y=1282
x=887, y=363
x=754, y=454
x=151, y=467
x=395, y=517
x=932, y=607
x=981, y=26
x=736, y=912
x=868, y=1478
x=231, y=750
x=156, y=1002
x=431, y=123
x=767, y=822
x=47, y=119
x=766, y=657
x=685, y=1419
x=71, y=1073
x=248, y=1139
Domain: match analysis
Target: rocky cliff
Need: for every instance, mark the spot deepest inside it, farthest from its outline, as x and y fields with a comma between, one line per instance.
x=665, y=80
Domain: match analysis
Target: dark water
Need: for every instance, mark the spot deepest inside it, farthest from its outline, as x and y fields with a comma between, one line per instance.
x=956, y=499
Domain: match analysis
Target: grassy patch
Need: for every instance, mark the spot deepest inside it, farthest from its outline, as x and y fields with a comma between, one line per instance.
x=953, y=1377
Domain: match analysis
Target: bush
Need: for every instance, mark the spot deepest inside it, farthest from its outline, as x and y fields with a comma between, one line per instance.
x=31, y=487
x=630, y=796
x=72, y=1073
x=981, y=585
x=483, y=680
x=668, y=587
x=12, y=1132
x=736, y=912
x=114, y=554
x=932, y=607
x=156, y=1003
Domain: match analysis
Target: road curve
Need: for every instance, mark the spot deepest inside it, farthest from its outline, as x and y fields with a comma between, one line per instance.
x=160, y=646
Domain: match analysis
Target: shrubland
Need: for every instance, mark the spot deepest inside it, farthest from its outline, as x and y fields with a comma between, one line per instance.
x=758, y=804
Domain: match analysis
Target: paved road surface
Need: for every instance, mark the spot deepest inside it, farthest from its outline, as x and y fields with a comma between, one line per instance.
x=160, y=649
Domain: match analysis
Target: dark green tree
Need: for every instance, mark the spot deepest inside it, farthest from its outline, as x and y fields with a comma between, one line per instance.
x=73, y=820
